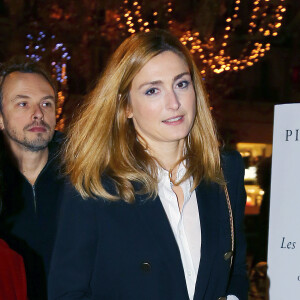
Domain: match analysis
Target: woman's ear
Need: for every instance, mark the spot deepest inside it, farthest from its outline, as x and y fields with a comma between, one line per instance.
x=129, y=113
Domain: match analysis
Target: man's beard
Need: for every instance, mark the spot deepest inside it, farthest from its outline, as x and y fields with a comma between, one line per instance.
x=33, y=145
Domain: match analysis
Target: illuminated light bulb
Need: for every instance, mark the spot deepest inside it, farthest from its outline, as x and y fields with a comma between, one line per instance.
x=204, y=61
x=277, y=25
x=279, y=18
x=283, y=10
x=155, y=13
x=147, y=30
x=227, y=28
x=227, y=68
x=242, y=67
x=169, y=9
x=131, y=24
x=236, y=8
x=264, y=14
x=228, y=19
x=238, y=2
x=224, y=44
x=226, y=36
x=170, y=22
x=196, y=33
x=202, y=72
x=212, y=39
x=137, y=12
x=126, y=15
x=275, y=33
x=235, y=15
x=253, y=17
x=130, y=18
x=140, y=20
x=146, y=23
x=139, y=7
x=128, y=22
x=260, y=29
x=249, y=63
x=202, y=56
x=235, y=68
x=118, y=19
x=135, y=3
x=268, y=45
x=190, y=38
x=155, y=22
x=141, y=28
x=250, y=30
x=200, y=50
x=267, y=32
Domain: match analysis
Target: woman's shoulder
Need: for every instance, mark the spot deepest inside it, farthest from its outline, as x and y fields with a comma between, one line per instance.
x=232, y=163
x=72, y=195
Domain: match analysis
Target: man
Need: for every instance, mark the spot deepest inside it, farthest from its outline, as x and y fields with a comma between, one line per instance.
x=32, y=181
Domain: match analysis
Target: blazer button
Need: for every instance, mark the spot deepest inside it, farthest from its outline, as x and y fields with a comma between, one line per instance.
x=222, y=298
x=228, y=255
x=146, y=267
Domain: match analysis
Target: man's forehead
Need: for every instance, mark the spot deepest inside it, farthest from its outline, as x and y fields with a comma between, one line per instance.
x=27, y=82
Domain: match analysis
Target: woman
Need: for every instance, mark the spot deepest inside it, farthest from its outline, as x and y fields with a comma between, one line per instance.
x=149, y=218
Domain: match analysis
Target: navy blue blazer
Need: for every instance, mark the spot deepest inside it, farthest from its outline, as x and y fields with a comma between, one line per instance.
x=115, y=250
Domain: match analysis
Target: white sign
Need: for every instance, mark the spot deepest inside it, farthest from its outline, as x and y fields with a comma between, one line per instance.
x=284, y=226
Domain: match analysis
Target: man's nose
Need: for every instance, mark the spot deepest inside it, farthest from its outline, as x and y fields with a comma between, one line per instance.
x=37, y=113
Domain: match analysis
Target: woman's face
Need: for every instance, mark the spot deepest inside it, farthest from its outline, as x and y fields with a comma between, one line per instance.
x=162, y=100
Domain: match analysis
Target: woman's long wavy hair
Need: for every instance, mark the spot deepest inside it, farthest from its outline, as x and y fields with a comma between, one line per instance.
x=103, y=141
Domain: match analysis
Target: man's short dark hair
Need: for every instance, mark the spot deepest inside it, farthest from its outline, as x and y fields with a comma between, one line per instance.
x=24, y=65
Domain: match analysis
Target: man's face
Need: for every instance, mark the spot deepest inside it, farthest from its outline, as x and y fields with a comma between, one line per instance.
x=28, y=111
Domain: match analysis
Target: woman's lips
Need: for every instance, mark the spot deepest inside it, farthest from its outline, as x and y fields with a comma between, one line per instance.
x=174, y=120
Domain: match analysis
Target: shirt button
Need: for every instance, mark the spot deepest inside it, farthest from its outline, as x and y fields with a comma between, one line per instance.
x=146, y=267
x=228, y=255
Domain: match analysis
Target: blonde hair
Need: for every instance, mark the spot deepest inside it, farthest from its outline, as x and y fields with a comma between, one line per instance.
x=102, y=141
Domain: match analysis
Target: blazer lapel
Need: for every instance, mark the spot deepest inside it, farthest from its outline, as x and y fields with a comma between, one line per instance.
x=208, y=198
x=155, y=220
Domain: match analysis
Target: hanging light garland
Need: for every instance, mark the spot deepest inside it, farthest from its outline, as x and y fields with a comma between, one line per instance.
x=213, y=55
x=264, y=22
x=59, y=55
x=130, y=17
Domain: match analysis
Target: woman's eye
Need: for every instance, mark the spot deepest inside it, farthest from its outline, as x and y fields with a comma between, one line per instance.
x=151, y=91
x=183, y=84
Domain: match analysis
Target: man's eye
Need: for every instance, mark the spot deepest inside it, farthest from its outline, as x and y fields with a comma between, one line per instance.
x=183, y=84
x=151, y=91
x=22, y=104
x=47, y=104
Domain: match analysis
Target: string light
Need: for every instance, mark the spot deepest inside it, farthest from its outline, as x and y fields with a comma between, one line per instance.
x=57, y=52
x=251, y=53
x=264, y=21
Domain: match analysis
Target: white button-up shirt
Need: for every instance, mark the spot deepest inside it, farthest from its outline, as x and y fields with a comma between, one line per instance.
x=185, y=224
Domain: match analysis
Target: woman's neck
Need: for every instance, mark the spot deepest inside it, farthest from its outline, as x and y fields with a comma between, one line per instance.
x=168, y=155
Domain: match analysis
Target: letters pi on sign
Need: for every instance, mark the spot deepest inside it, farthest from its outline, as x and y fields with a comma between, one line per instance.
x=292, y=135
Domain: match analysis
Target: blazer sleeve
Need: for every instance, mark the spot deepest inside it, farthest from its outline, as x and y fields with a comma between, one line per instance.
x=238, y=284
x=75, y=249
